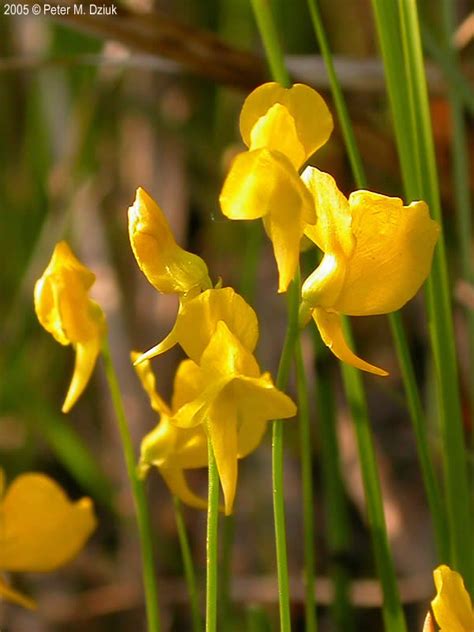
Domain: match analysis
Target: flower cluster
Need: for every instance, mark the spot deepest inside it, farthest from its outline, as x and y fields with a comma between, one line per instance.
x=376, y=251
x=220, y=394
x=40, y=528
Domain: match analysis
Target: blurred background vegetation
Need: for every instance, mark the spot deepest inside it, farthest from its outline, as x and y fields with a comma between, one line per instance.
x=91, y=108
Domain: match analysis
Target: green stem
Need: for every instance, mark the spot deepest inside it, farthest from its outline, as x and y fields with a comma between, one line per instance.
x=188, y=565
x=279, y=72
x=225, y=571
x=396, y=324
x=306, y=448
x=394, y=618
x=461, y=170
x=335, y=503
x=393, y=19
x=139, y=496
x=277, y=454
x=212, y=524
x=271, y=42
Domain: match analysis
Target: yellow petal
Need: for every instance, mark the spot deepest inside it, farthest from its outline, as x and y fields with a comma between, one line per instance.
x=41, y=528
x=148, y=381
x=285, y=229
x=222, y=429
x=225, y=355
x=452, y=606
x=165, y=345
x=62, y=301
x=187, y=384
x=330, y=328
x=251, y=431
x=86, y=356
x=259, y=398
x=178, y=486
x=276, y=131
x=323, y=286
x=261, y=182
x=12, y=595
x=311, y=115
x=169, y=446
x=169, y=268
x=195, y=413
x=158, y=447
x=199, y=318
x=392, y=256
x=332, y=232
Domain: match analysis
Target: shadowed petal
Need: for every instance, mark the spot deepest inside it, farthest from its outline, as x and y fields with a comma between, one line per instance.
x=178, y=485
x=41, y=528
x=12, y=595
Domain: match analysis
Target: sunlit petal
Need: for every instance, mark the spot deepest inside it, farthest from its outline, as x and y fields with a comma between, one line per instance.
x=168, y=267
x=276, y=131
x=332, y=232
x=452, y=606
x=222, y=430
x=261, y=182
x=310, y=113
x=393, y=255
x=86, y=356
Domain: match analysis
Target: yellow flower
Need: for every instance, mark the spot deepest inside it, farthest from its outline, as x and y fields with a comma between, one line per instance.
x=40, y=528
x=169, y=268
x=172, y=449
x=197, y=321
x=65, y=310
x=377, y=255
x=452, y=606
x=282, y=128
x=233, y=406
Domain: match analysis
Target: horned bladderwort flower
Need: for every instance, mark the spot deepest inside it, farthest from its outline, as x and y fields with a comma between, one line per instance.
x=65, y=310
x=377, y=254
x=282, y=129
x=226, y=398
x=233, y=404
x=40, y=528
x=173, y=449
x=169, y=268
x=452, y=606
